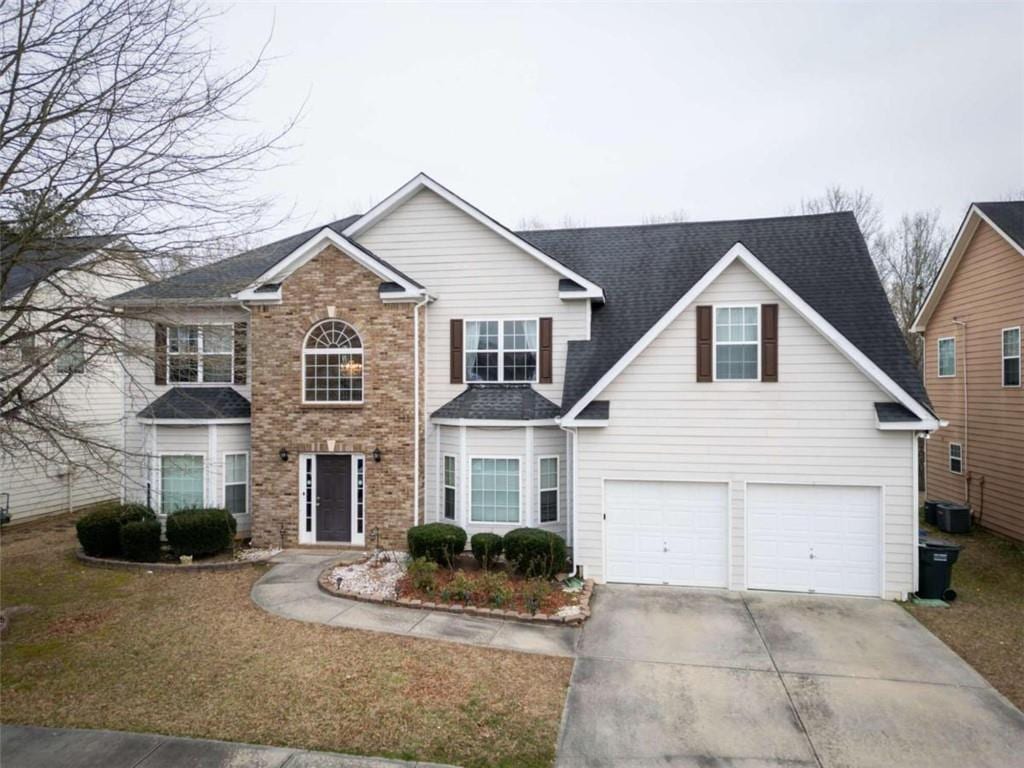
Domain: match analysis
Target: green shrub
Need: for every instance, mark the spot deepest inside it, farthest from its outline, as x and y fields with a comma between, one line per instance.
x=423, y=574
x=535, y=552
x=140, y=540
x=99, y=531
x=535, y=592
x=439, y=542
x=494, y=589
x=459, y=590
x=200, y=532
x=486, y=548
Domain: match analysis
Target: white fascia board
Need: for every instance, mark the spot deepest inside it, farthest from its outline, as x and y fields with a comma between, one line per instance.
x=311, y=248
x=405, y=297
x=421, y=181
x=566, y=423
x=925, y=425
x=494, y=422
x=739, y=252
x=259, y=297
x=191, y=422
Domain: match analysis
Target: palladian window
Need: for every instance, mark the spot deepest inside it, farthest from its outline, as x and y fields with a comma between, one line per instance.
x=332, y=364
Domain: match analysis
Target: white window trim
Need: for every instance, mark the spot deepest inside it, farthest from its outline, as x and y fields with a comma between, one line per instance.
x=445, y=486
x=938, y=357
x=469, y=502
x=1004, y=357
x=557, y=489
x=960, y=458
x=160, y=477
x=500, y=350
x=224, y=478
x=199, y=356
x=328, y=351
x=715, y=342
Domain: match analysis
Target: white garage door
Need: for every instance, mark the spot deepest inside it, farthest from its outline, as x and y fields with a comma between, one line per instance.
x=814, y=538
x=667, y=533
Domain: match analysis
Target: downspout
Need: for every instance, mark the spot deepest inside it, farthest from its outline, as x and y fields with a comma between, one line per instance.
x=964, y=452
x=416, y=410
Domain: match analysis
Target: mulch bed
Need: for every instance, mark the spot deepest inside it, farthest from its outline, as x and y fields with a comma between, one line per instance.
x=224, y=561
x=557, y=598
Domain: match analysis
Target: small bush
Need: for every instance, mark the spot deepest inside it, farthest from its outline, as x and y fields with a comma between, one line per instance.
x=535, y=592
x=140, y=540
x=200, y=532
x=535, y=552
x=423, y=574
x=99, y=531
x=486, y=548
x=459, y=590
x=439, y=542
x=494, y=589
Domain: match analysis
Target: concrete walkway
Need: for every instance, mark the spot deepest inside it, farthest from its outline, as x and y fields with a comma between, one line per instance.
x=290, y=590
x=25, y=746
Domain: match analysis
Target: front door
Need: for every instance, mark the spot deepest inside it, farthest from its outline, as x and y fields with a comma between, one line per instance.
x=333, y=498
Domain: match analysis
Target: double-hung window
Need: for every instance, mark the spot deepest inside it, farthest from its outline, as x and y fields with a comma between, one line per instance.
x=947, y=357
x=956, y=458
x=494, y=490
x=1011, y=357
x=548, y=488
x=181, y=483
x=501, y=350
x=71, y=358
x=448, y=481
x=236, y=483
x=199, y=353
x=737, y=343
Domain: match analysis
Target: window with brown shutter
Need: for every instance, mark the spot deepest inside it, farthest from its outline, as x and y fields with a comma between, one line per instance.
x=241, y=351
x=704, y=343
x=455, y=351
x=545, y=350
x=159, y=354
x=769, y=342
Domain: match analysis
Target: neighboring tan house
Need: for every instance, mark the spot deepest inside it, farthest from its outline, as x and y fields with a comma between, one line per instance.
x=971, y=322
x=720, y=404
x=47, y=480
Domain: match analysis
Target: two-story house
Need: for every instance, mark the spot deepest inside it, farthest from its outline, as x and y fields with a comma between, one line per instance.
x=971, y=321
x=723, y=404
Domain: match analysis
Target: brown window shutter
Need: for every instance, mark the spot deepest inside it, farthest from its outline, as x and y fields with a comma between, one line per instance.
x=545, y=350
x=455, y=351
x=769, y=342
x=159, y=354
x=241, y=352
x=704, y=343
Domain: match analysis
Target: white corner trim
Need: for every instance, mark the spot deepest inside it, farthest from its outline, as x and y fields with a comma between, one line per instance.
x=739, y=252
x=326, y=236
x=968, y=227
x=421, y=181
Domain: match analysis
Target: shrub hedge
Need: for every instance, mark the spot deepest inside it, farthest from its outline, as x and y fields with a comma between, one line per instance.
x=140, y=540
x=535, y=552
x=486, y=548
x=200, y=532
x=439, y=542
x=99, y=531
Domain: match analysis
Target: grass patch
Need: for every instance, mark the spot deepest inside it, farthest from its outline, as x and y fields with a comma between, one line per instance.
x=188, y=654
x=985, y=624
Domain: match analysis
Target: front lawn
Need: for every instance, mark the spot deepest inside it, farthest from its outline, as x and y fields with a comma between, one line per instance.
x=985, y=624
x=188, y=654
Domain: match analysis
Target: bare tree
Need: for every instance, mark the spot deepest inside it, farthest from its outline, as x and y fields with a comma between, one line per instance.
x=860, y=203
x=908, y=259
x=672, y=217
x=115, y=127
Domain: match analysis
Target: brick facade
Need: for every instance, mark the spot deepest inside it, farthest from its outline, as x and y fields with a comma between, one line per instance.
x=332, y=285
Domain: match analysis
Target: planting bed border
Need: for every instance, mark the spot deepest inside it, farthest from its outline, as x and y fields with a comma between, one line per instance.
x=326, y=584
x=130, y=565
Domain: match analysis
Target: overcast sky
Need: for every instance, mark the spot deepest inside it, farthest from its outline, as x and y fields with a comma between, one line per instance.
x=607, y=113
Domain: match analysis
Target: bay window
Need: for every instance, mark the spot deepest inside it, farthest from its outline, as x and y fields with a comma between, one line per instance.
x=494, y=491
x=181, y=483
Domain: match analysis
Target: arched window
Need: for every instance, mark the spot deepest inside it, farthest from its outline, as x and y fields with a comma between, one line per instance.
x=332, y=364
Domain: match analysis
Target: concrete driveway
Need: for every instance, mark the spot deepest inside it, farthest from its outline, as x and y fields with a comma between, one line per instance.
x=674, y=677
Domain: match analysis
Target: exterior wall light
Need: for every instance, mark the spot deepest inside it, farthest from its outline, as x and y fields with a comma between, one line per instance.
x=376, y=455
x=283, y=453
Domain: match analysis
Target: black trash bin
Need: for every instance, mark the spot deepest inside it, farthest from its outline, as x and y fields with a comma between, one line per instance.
x=935, y=563
x=931, y=510
x=953, y=518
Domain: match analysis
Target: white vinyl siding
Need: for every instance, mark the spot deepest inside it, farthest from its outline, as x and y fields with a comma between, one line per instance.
x=816, y=425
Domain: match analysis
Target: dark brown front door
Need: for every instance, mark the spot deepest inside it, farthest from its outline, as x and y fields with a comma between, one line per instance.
x=333, y=498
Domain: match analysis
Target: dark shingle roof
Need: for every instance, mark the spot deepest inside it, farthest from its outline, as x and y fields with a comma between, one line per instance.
x=891, y=412
x=197, y=403
x=645, y=269
x=595, y=410
x=1008, y=216
x=508, y=402
x=33, y=266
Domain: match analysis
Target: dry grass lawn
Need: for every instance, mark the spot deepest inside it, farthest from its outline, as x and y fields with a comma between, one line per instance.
x=985, y=625
x=190, y=655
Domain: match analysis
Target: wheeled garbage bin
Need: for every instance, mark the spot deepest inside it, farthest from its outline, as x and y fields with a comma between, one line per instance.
x=935, y=563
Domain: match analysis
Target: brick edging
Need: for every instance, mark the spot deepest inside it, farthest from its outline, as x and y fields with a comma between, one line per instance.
x=131, y=565
x=326, y=586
